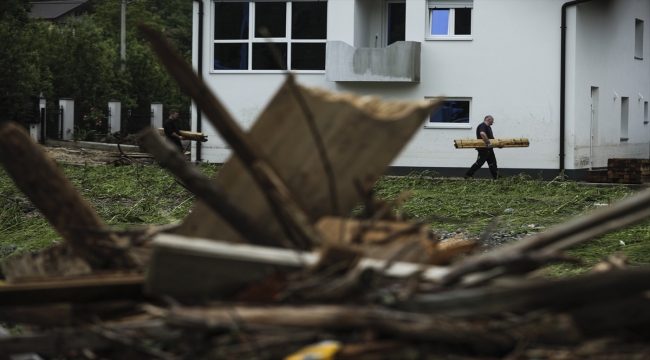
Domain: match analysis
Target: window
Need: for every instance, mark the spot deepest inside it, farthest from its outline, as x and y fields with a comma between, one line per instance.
x=638, y=39
x=645, y=112
x=625, y=110
x=453, y=113
x=298, y=30
x=450, y=20
x=396, y=22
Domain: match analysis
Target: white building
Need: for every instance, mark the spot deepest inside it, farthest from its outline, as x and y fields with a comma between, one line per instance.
x=579, y=96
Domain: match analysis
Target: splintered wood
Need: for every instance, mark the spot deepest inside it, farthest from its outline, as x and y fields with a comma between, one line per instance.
x=271, y=265
x=497, y=143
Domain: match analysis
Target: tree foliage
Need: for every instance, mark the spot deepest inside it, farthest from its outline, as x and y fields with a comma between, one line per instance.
x=81, y=59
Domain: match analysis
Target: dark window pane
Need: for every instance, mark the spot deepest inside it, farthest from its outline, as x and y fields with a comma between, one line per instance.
x=463, y=22
x=308, y=56
x=440, y=22
x=451, y=112
x=273, y=17
x=396, y=22
x=309, y=20
x=231, y=56
x=263, y=58
x=230, y=21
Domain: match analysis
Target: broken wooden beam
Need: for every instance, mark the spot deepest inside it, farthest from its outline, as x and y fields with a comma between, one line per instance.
x=72, y=289
x=497, y=143
x=178, y=266
x=39, y=177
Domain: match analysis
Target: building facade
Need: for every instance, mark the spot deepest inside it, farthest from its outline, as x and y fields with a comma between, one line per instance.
x=578, y=92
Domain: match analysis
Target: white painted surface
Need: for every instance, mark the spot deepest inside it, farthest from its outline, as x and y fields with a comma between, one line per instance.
x=605, y=43
x=68, y=118
x=158, y=116
x=115, y=120
x=511, y=70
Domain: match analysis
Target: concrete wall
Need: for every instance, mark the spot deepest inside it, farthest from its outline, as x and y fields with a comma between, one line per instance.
x=604, y=58
x=510, y=69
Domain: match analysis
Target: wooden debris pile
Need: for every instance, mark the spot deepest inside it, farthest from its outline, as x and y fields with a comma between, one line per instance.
x=269, y=266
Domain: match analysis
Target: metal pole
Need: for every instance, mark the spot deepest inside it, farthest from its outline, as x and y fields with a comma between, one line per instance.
x=123, y=36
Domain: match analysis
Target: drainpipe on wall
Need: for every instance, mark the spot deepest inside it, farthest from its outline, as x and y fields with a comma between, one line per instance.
x=199, y=69
x=563, y=78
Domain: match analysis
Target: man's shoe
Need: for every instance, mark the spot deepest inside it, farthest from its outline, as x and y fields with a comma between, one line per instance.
x=466, y=177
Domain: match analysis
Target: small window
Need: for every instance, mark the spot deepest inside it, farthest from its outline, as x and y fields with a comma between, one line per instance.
x=396, y=22
x=453, y=113
x=645, y=112
x=450, y=20
x=298, y=30
x=638, y=39
x=625, y=110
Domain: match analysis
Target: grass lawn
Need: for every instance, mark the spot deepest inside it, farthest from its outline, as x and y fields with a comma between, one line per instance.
x=129, y=196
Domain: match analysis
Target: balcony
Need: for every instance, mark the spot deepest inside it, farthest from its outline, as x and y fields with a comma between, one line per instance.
x=398, y=62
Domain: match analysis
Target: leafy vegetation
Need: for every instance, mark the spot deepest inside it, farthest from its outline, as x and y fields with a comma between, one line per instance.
x=140, y=195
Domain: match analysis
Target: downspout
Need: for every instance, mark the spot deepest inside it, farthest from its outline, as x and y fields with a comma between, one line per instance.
x=199, y=69
x=563, y=79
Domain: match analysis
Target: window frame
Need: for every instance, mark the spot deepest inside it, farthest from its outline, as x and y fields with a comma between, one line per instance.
x=465, y=126
x=385, y=24
x=255, y=40
x=452, y=5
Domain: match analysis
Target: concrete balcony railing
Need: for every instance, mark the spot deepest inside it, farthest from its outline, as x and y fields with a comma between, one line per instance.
x=398, y=62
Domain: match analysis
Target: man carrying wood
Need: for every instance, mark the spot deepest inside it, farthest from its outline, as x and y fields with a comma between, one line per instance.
x=484, y=131
x=172, y=128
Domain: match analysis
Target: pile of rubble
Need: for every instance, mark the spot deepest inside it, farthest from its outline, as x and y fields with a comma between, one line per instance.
x=268, y=265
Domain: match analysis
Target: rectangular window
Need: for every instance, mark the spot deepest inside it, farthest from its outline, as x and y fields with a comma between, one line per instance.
x=243, y=31
x=396, y=22
x=450, y=20
x=453, y=113
x=625, y=110
x=645, y=112
x=638, y=39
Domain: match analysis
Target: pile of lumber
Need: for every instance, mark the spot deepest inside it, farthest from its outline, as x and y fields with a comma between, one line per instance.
x=628, y=171
x=269, y=265
x=497, y=143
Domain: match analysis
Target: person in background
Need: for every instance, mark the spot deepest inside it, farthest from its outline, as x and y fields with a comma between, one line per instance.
x=484, y=132
x=172, y=127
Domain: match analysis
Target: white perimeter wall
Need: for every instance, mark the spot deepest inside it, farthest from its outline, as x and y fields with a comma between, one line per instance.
x=511, y=70
x=604, y=58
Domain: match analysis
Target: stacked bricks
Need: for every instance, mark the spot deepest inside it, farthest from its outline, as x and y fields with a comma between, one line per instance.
x=628, y=171
x=597, y=176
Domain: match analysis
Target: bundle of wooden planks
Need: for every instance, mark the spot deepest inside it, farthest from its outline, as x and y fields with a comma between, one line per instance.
x=189, y=135
x=497, y=143
x=271, y=269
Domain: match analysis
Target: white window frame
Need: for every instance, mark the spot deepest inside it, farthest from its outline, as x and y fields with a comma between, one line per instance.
x=430, y=125
x=385, y=19
x=253, y=40
x=451, y=5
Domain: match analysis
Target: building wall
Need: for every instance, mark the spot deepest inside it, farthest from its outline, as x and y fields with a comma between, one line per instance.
x=604, y=58
x=510, y=69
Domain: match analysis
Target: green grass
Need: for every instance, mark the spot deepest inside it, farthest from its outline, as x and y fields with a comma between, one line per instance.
x=124, y=196
x=129, y=196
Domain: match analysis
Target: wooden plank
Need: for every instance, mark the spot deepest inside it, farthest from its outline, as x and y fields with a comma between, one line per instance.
x=189, y=135
x=39, y=177
x=76, y=289
x=480, y=144
x=529, y=296
x=179, y=265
